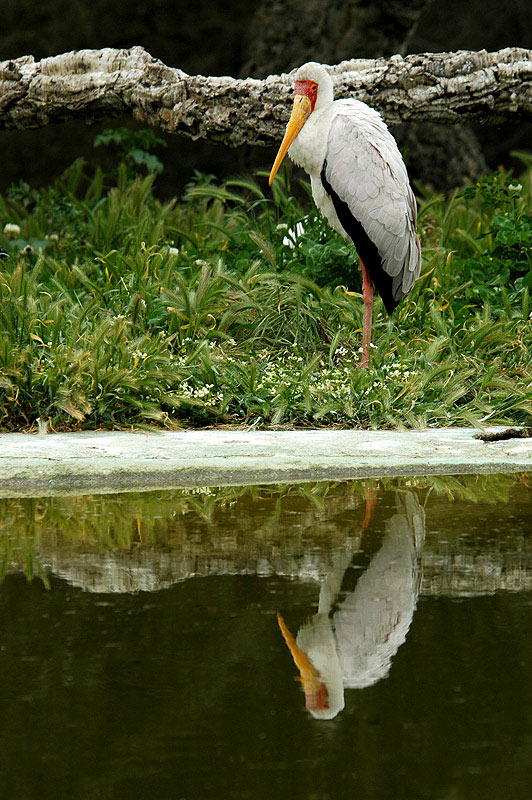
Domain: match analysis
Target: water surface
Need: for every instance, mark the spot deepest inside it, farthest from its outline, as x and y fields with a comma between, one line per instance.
x=145, y=657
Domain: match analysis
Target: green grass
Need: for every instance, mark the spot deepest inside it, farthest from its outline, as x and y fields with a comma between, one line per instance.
x=117, y=310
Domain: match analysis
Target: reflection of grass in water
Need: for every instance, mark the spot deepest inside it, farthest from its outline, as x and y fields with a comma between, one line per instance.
x=20, y=535
x=148, y=519
x=472, y=488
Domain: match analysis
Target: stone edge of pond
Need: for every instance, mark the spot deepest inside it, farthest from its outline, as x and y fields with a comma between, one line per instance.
x=101, y=462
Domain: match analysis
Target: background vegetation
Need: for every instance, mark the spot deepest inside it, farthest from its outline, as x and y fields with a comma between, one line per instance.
x=229, y=307
x=258, y=40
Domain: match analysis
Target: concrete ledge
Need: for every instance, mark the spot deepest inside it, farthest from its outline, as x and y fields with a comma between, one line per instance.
x=117, y=461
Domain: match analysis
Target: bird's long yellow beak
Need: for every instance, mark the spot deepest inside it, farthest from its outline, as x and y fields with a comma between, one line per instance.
x=300, y=113
x=316, y=694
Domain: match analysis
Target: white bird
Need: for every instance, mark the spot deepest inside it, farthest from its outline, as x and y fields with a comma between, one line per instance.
x=359, y=183
x=351, y=641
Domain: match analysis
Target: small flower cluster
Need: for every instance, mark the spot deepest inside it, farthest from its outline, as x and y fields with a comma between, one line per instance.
x=205, y=393
x=179, y=360
x=388, y=376
x=12, y=230
x=327, y=384
x=397, y=370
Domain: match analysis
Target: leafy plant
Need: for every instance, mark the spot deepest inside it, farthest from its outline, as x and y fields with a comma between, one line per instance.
x=290, y=236
x=230, y=307
x=133, y=148
x=497, y=257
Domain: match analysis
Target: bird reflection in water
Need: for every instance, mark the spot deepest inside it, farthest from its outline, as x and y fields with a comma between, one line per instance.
x=365, y=609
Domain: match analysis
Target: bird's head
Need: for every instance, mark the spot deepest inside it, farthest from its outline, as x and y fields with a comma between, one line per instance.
x=324, y=695
x=313, y=91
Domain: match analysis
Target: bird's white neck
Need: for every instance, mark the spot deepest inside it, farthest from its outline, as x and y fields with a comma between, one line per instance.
x=310, y=146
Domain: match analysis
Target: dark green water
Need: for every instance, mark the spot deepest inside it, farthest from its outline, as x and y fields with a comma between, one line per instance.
x=146, y=661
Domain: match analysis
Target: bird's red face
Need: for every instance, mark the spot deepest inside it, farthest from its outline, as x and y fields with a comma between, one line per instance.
x=305, y=94
x=309, y=89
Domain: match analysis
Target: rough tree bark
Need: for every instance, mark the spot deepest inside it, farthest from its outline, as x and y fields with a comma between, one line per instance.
x=95, y=84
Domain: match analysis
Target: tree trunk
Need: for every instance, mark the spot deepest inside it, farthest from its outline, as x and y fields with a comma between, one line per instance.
x=441, y=155
x=97, y=84
x=284, y=35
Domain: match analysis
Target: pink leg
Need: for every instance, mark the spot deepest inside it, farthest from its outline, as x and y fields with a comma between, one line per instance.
x=371, y=502
x=367, y=294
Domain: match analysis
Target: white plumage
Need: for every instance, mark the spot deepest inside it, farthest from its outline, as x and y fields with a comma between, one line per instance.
x=354, y=636
x=359, y=181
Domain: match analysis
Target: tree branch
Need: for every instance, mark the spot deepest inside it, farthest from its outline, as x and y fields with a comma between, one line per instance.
x=97, y=84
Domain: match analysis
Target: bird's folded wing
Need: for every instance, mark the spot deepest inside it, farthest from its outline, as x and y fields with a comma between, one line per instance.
x=365, y=169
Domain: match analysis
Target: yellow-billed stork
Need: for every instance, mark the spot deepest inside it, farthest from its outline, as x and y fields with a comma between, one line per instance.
x=359, y=183
x=365, y=609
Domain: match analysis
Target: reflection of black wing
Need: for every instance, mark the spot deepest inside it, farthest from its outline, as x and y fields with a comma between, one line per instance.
x=371, y=621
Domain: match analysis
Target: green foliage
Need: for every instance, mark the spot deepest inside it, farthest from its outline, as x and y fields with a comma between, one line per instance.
x=48, y=213
x=488, y=226
x=229, y=307
x=292, y=236
x=502, y=248
x=133, y=148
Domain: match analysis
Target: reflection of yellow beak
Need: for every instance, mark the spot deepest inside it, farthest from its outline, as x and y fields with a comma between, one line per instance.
x=316, y=694
x=300, y=113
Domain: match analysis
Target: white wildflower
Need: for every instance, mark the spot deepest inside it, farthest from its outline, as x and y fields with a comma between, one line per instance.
x=11, y=230
x=293, y=235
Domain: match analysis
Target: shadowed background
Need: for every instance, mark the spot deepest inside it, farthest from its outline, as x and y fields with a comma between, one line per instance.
x=213, y=37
